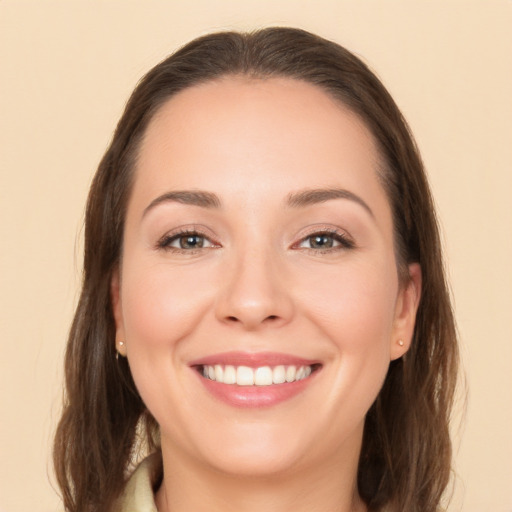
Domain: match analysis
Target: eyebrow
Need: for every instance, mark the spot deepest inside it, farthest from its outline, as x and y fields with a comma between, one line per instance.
x=299, y=199
x=321, y=195
x=190, y=197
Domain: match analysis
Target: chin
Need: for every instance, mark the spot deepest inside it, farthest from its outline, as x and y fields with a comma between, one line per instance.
x=257, y=449
x=256, y=461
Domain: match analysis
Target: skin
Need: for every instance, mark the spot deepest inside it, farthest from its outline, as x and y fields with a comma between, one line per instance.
x=258, y=284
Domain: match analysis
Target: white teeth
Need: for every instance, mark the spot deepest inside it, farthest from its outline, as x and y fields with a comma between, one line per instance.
x=261, y=376
x=244, y=376
x=219, y=373
x=290, y=373
x=229, y=376
x=279, y=375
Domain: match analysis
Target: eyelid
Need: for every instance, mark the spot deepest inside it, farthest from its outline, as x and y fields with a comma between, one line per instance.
x=345, y=240
x=164, y=241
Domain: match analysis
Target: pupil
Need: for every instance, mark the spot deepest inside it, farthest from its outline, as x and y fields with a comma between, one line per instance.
x=321, y=241
x=191, y=242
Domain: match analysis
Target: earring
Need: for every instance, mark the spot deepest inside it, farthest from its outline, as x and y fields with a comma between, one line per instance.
x=121, y=343
x=401, y=343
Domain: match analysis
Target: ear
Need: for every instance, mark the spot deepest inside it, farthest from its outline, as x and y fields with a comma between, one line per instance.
x=405, y=312
x=115, y=298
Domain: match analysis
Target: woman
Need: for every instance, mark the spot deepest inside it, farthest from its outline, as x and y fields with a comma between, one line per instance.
x=264, y=304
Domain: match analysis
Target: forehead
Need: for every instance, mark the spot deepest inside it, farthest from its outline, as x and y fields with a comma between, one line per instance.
x=269, y=133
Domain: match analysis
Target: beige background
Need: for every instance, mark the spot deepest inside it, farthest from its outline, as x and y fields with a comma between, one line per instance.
x=66, y=69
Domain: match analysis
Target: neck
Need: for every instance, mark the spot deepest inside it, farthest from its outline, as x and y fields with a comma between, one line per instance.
x=326, y=487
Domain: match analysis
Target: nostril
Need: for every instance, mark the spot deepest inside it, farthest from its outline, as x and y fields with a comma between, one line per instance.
x=232, y=318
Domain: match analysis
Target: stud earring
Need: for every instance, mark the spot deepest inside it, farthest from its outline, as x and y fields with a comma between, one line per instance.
x=401, y=343
x=121, y=343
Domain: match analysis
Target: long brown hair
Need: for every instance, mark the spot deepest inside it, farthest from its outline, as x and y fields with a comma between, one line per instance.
x=405, y=460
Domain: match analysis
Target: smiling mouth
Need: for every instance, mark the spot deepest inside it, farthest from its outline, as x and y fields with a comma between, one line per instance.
x=255, y=380
x=259, y=376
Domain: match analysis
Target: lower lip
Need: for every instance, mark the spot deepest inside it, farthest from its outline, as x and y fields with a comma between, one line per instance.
x=255, y=396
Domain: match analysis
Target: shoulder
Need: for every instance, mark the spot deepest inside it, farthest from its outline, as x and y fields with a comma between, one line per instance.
x=138, y=495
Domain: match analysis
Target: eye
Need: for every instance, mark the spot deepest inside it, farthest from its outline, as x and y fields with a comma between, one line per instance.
x=326, y=241
x=185, y=241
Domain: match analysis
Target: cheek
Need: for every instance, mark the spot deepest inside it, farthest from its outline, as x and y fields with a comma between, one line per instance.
x=354, y=304
x=161, y=306
x=354, y=310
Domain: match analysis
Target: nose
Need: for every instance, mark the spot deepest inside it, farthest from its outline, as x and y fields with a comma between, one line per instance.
x=255, y=293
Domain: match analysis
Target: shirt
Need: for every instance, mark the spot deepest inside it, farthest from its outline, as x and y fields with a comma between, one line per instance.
x=138, y=495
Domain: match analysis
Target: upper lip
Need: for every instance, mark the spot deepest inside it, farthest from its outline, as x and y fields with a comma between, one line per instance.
x=253, y=360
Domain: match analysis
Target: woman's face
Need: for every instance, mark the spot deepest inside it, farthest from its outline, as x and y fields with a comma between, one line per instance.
x=259, y=247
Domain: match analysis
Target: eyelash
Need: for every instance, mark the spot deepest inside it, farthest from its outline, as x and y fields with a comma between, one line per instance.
x=344, y=241
x=165, y=242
